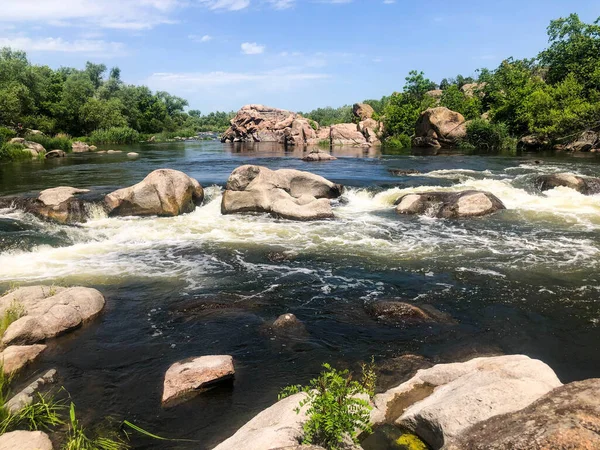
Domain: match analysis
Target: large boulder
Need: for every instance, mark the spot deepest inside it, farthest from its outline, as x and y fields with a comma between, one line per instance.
x=371, y=130
x=276, y=427
x=60, y=204
x=347, y=134
x=14, y=357
x=441, y=402
x=164, y=192
x=319, y=155
x=25, y=440
x=56, y=154
x=585, y=142
x=33, y=147
x=48, y=312
x=532, y=142
x=195, y=375
x=566, y=418
x=286, y=193
x=449, y=205
x=583, y=185
x=362, y=111
x=300, y=132
x=439, y=127
x=472, y=89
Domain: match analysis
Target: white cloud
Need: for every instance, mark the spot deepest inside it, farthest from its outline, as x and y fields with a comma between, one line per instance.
x=252, y=48
x=50, y=44
x=228, y=5
x=282, y=4
x=201, y=39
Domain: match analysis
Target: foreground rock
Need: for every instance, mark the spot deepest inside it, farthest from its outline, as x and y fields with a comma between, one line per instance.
x=286, y=193
x=26, y=396
x=440, y=403
x=164, y=192
x=449, y=205
x=195, y=375
x=259, y=123
x=60, y=204
x=439, y=127
x=33, y=147
x=25, y=440
x=276, y=427
x=14, y=357
x=566, y=418
x=49, y=312
x=318, y=155
x=402, y=312
x=583, y=185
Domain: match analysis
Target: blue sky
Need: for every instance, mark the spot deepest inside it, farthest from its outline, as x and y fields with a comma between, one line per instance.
x=293, y=54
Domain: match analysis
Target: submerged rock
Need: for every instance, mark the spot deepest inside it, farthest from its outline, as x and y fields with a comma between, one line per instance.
x=26, y=396
x=132, y=155
x=566, y=418
x=287, y=321
x=402, y=312
x=164, y=192
x=286, y=193
x=404, y=172
x=439, y=127
x=449, y=205
x=25, y=440
x=276, y=427
x=15, y=357
x=319, y=155
x=583, y=185
x=49, y=311
x=393, y=371
x=440, y=403
x=196, y=375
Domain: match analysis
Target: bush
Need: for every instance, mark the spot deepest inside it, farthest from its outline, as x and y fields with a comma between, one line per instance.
x=13, y=152
x=484, y=135
x=60, y=141
x=6, y=134
x=334, y=409
x=116, y=135
x=399, y=141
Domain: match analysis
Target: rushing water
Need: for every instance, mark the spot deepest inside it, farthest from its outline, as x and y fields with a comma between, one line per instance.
x=525, y=280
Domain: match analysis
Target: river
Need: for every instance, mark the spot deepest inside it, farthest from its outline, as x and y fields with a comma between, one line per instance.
x=525, y=280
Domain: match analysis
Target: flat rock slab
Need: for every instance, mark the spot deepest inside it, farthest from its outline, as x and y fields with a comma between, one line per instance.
x=196, y=375
x=449, y=205
x=49, y=311
x=275, y=427
x=439, y=403
x=25, y=440
x=566, y=418
x=15, y=357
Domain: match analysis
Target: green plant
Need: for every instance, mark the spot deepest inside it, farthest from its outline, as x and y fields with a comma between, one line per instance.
x=399, y=141
x=369, y=377
x=14, y=312
x=116, y=135
x=42, y=414
x=6, y=134
x=78, y=439
x=324, y=143
x=13, y=152
x=60, y=141
x=335, y=409
x=483, y=135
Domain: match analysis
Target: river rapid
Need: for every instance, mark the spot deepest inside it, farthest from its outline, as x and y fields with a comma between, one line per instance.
x=525, y=280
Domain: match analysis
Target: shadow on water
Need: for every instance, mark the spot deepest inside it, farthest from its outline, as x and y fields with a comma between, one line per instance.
x=523, y=281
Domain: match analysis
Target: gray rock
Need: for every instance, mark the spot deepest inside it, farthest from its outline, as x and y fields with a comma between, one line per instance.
x=49, y=312
x=56, y=154
x=80, y=147
x=449, y=205
x=286, y=193
x=164, y=192
x=583, y=185
x=566, y=418
x=25, y=397
x=402, y=312
x=34, y=148
x=60, y=204
x=132, y=155
x=440, y=403
x=319, y=155
x=25, y=440
x=348, y=134
x=585, y=142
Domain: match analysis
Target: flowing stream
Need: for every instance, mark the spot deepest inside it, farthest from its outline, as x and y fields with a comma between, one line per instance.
x=525, y=280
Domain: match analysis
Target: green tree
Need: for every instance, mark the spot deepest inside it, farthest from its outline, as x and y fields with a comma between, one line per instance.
x=454, y=99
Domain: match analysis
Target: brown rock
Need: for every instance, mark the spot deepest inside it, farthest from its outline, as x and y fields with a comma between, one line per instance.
x=56, y=154
x=402, y=312
x=371, y=130
x=566, y=418
x=196, y=375
x=164, y=192
x=80, y=147
x=585, y=142
x=439, y=127
x=15, y=357
x=532, y=143
x=290, y=194
x=362, y=111
x=435, y=93
x=33, y=147
x=319, y=155
x=583, y=185
x=472, y=89
x=347, y=134
x=450, y=204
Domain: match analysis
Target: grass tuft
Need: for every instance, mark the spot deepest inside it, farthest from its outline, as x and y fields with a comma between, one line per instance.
x=14, y=312
x=78, y=438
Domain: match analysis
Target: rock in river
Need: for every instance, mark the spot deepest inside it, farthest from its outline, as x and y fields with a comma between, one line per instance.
x=402, y=312
x=439, y=127
x=566, y=418
x=196, y=375
x=286, y=193
x=48, y=311
x=449, y=205
x=25, y=440
x=440, y=403
x=583, y=185
x=164, y=192
x=319, y=155
x=56, y=154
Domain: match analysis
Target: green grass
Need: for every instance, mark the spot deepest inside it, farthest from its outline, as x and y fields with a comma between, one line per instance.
x=116, y=135
x=78, y=438
x=58, y=142
x=14, y=312
x=43, y=414
x=13, y=152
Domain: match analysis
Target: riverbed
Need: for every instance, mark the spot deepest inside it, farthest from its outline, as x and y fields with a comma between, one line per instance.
x=525, y=280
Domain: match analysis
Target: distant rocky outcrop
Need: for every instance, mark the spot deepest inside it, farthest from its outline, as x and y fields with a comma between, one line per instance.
x=33, y=147
x=259, y=123
x=286, y=193
x=80, y=147
x=164, y=192
x=363, y=111
x=472, y=89
x=449, y=204
x=583, y=185
x=439, y=127
x=585, y=142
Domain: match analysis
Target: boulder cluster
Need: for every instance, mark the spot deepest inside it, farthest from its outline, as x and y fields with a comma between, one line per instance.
x=259, y=123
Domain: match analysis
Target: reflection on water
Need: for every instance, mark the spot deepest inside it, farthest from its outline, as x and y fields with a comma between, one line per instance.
x=522, y=281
